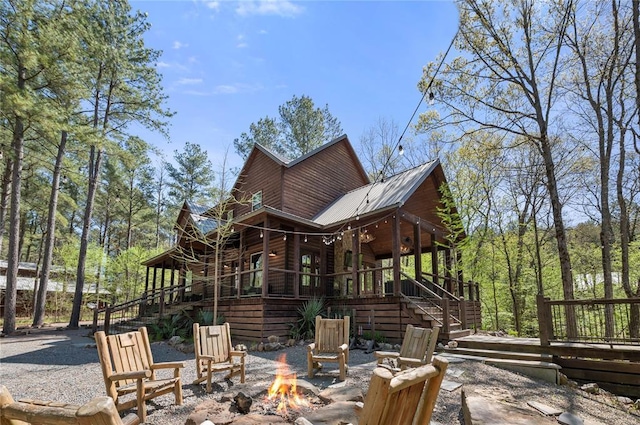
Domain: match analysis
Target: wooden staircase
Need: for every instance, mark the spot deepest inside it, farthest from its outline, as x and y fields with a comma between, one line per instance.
x=430, y=315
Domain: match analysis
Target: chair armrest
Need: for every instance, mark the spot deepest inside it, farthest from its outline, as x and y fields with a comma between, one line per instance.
x=344, y=347
x=411, y=361
x=137, y=374
x=386, y=354
x=238, y=353
x=167, y=365
x=311, y=347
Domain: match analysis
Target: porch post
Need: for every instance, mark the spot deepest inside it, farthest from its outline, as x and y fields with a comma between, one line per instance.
x=153, y=287
x=146, y=281
x=417, y=251
x=296, y=264
x=240, y=266
x=265, y=258
x=395, y=248
x=355, y=262
x=434, y=258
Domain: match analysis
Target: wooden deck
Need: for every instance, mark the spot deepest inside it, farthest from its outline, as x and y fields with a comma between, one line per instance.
x=564, y=349
x=616, y=368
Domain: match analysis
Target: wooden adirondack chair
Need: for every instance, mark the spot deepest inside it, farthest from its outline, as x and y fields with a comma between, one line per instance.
x=331, y=345
x=417, y=348
x=128, y=367
x=214, y=353
x=406, y=398
x=100, y=410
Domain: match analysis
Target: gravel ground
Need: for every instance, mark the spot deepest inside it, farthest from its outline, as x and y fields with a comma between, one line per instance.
x=63, y=365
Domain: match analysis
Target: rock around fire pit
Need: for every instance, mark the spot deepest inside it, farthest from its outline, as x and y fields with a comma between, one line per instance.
x=248, y=404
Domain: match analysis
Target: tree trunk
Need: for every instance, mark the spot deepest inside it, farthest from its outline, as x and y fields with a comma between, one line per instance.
x=39, y=311
x=561, y=234
x=13, y=255
x=4, y=196
x=94, y=172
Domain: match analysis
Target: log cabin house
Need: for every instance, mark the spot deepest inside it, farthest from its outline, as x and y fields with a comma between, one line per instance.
x=317, y=226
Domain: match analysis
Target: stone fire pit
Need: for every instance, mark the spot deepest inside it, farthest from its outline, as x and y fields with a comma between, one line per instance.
x=334, y=405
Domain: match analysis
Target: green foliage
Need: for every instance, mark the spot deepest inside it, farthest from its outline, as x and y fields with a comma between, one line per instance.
x=205, y=318
x=191, y=180
x=305, y=326
x=301, y=128
x=376, y=336
x=180, y=324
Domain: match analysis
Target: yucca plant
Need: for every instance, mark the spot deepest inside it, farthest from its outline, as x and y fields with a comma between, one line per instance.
x=305, y=326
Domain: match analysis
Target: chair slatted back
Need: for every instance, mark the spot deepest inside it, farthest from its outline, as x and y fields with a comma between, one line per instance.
x=415, y=342
x=130, y=352
x=331, y=334
x=214, y=341
x=405, y=398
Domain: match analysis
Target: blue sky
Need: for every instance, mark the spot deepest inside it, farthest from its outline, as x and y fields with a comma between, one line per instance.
x=227, y=64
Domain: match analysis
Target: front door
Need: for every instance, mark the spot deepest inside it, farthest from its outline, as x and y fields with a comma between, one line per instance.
x=309, y=272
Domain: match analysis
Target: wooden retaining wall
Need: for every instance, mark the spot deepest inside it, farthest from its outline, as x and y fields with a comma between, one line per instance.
x=617, y=377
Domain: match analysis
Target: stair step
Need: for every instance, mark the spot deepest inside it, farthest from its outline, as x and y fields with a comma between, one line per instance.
x=495, y=354
x=453, y=334
x=546, y=371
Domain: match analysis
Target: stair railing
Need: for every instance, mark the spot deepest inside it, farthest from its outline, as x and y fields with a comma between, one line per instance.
x=112, y=315
x=442, y=303
x=417, y=306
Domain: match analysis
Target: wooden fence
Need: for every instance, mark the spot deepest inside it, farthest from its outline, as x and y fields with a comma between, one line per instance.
x=606, y=321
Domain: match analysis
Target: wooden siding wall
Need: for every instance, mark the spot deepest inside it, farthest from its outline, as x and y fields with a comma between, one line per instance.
x=255, y=319
x=383, y=315
x=311, y=185
x=262, y=174
x=426, y=194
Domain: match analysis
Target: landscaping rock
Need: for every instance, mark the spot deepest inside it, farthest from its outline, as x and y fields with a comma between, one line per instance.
x=569, y=419
x=591, y=388
x=345, y=393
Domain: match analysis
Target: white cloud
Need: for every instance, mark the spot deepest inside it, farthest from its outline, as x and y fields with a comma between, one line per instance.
x=262, y=32
x=241, y=42
x=189, y=81
x=213, y=5
x=283, y=8
x=179, y=45
x=163, y=65
x=236, y=88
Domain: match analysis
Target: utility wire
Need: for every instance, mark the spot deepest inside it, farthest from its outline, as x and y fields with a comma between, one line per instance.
x=415, y=111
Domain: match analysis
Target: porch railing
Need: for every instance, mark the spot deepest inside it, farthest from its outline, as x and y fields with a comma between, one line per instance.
x=592, y=324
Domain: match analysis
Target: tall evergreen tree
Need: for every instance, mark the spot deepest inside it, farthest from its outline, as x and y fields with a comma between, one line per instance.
x=300, y=129
x=192, y=178
x=38, y=48
x=126, y=89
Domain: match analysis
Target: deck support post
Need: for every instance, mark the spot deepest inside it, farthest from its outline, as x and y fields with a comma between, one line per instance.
x=146, y=281
x=296, y=264
x=445, y=316
x=434, y=259
x=544, y=319
x=355, y=262
x=395, y=243
x=417, y=251
x=265, y=259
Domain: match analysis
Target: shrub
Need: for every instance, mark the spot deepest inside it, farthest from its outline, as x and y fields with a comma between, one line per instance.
x=305, y=326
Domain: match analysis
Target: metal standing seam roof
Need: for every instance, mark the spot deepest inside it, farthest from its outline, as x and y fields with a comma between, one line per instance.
x=203, y=223
x=394, y=191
